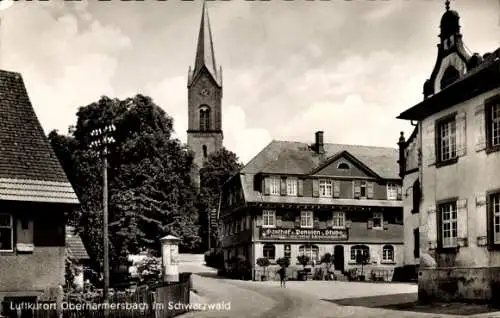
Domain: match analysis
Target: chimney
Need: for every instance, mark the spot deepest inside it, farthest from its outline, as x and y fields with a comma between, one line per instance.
x=402, y=159
x=319, y=146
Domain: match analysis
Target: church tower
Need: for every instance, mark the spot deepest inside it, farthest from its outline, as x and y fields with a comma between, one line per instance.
x=204, y=134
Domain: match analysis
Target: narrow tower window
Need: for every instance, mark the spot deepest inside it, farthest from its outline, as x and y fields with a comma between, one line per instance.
x=204, y=118
x=204, y=151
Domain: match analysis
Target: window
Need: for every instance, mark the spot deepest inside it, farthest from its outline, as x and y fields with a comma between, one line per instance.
x=493, y=123
x=378, y=220
x=249, y=221
x=269, y=251
x=359, y=250
x=416, y=242
x=416, y=196
x=275, y=185
x=268, y=218
x=494, y=201
x=388, y=253
x=291, y=186
x=310, y=250
x=325, y=188
x=338, y=220
x=204, y=118
x=287, y=251
x=450, y=75
x=392, y=191
x=448, y=215
x=306, y=219
x=343, y=166
x=447, y=140
x=362, y=188
x=6, y=232
x=204, y=151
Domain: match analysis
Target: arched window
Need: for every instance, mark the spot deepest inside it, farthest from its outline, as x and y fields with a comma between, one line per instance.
x=357, y=250
x=450, y=75
x=388, y=253
x=310, y=250
x=204, y=151
x=269, y=251
x=204, y=117
x=343, y=166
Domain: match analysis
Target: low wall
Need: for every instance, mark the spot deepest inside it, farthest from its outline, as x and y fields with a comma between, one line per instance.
x=464, y=284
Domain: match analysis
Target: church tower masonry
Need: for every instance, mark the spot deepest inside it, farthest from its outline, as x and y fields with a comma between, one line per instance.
x=204, y=134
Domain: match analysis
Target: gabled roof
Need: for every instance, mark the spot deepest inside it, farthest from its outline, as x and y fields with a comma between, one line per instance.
x=289, y=157
x=350, y=157
x=205, y=56
x=74, y=245
x=29, y=168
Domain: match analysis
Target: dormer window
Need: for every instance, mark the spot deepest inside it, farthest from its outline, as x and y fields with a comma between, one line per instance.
x=343, y=166
x=450, y=75
x=275, y=184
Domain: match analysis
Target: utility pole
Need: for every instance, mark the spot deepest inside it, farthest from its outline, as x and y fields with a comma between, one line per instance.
x=102, y=141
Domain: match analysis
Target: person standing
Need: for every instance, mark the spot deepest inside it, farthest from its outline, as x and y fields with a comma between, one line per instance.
x=282, y=273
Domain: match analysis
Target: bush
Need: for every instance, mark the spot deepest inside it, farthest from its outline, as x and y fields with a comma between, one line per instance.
x=283, y=262
x=303, y=260
x=149, y=270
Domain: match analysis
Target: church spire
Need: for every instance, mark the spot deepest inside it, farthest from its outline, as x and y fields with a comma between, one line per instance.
x=205, y=56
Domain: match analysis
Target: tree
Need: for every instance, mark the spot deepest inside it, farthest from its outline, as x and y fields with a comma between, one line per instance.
x=327, y=259
x=151, y=193
x=264, y=263
x=362, y=259
x=283, y=262
x=219, y=167
x=303, y=260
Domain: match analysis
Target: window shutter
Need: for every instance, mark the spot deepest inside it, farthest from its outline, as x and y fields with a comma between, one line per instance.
x=283, y=186
x=370, y=224
x=462, y=222
x=357, y=189
x=429, y=151
x=461, y=123
x=386, y=225
x=316, y=223
x=258, y=220
x=483, y=219
x=400, y=194
x=300, y=187
x=279, y=221
x=433, y=226
x=369, y=190
x=315, y=188
x=336, y=188
x=480, y=128
x=297, y=221
x=266, y=185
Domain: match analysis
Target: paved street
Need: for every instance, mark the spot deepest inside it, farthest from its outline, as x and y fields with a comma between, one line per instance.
x=299, y=299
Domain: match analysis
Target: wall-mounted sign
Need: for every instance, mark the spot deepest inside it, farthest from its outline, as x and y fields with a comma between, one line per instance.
x=304, y=234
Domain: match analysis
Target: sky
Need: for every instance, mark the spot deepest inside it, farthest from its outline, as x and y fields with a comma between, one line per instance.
x=290, y=68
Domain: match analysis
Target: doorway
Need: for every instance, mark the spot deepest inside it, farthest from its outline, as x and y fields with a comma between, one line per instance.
x=338, y=255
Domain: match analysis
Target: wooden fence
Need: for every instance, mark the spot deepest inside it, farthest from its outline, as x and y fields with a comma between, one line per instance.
x=161, y=301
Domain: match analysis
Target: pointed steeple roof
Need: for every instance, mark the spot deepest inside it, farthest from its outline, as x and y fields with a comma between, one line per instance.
x=205, y=56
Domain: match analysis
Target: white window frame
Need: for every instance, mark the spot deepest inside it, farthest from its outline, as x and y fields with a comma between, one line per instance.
x=291, y=186
x=274, y=185
x=447, y=131
x=378, y=215
x=449, y=224
x=363, y=185
x=11, y=227
x=495, y=125
x=495, y=210
x=388, y=253
x=358, y=249
x=338, y=219
x=306, y=219
x=268, y=218
x=325, y=188
x=392, y=191
x=307, y=249
x=271, y=247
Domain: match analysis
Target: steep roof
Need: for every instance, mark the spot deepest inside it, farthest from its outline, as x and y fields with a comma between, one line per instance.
x=205, y=56
x=289, y=157
x=29, y=168
x=74, y=245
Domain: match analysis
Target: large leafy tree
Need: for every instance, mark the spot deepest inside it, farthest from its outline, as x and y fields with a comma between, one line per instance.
x=151, y=193
x=219, y=167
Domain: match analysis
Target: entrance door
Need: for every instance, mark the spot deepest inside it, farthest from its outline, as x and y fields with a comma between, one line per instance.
x=338, y=255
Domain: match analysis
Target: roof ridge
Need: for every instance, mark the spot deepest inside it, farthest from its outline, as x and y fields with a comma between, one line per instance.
x=337, y=144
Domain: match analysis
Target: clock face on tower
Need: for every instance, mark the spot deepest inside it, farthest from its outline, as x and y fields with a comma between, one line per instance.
x=205, y=92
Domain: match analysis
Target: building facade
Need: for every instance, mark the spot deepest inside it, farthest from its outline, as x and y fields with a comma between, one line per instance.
x=459, y=168
x=204, y=134
x=34, y=196
x=299, y=199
